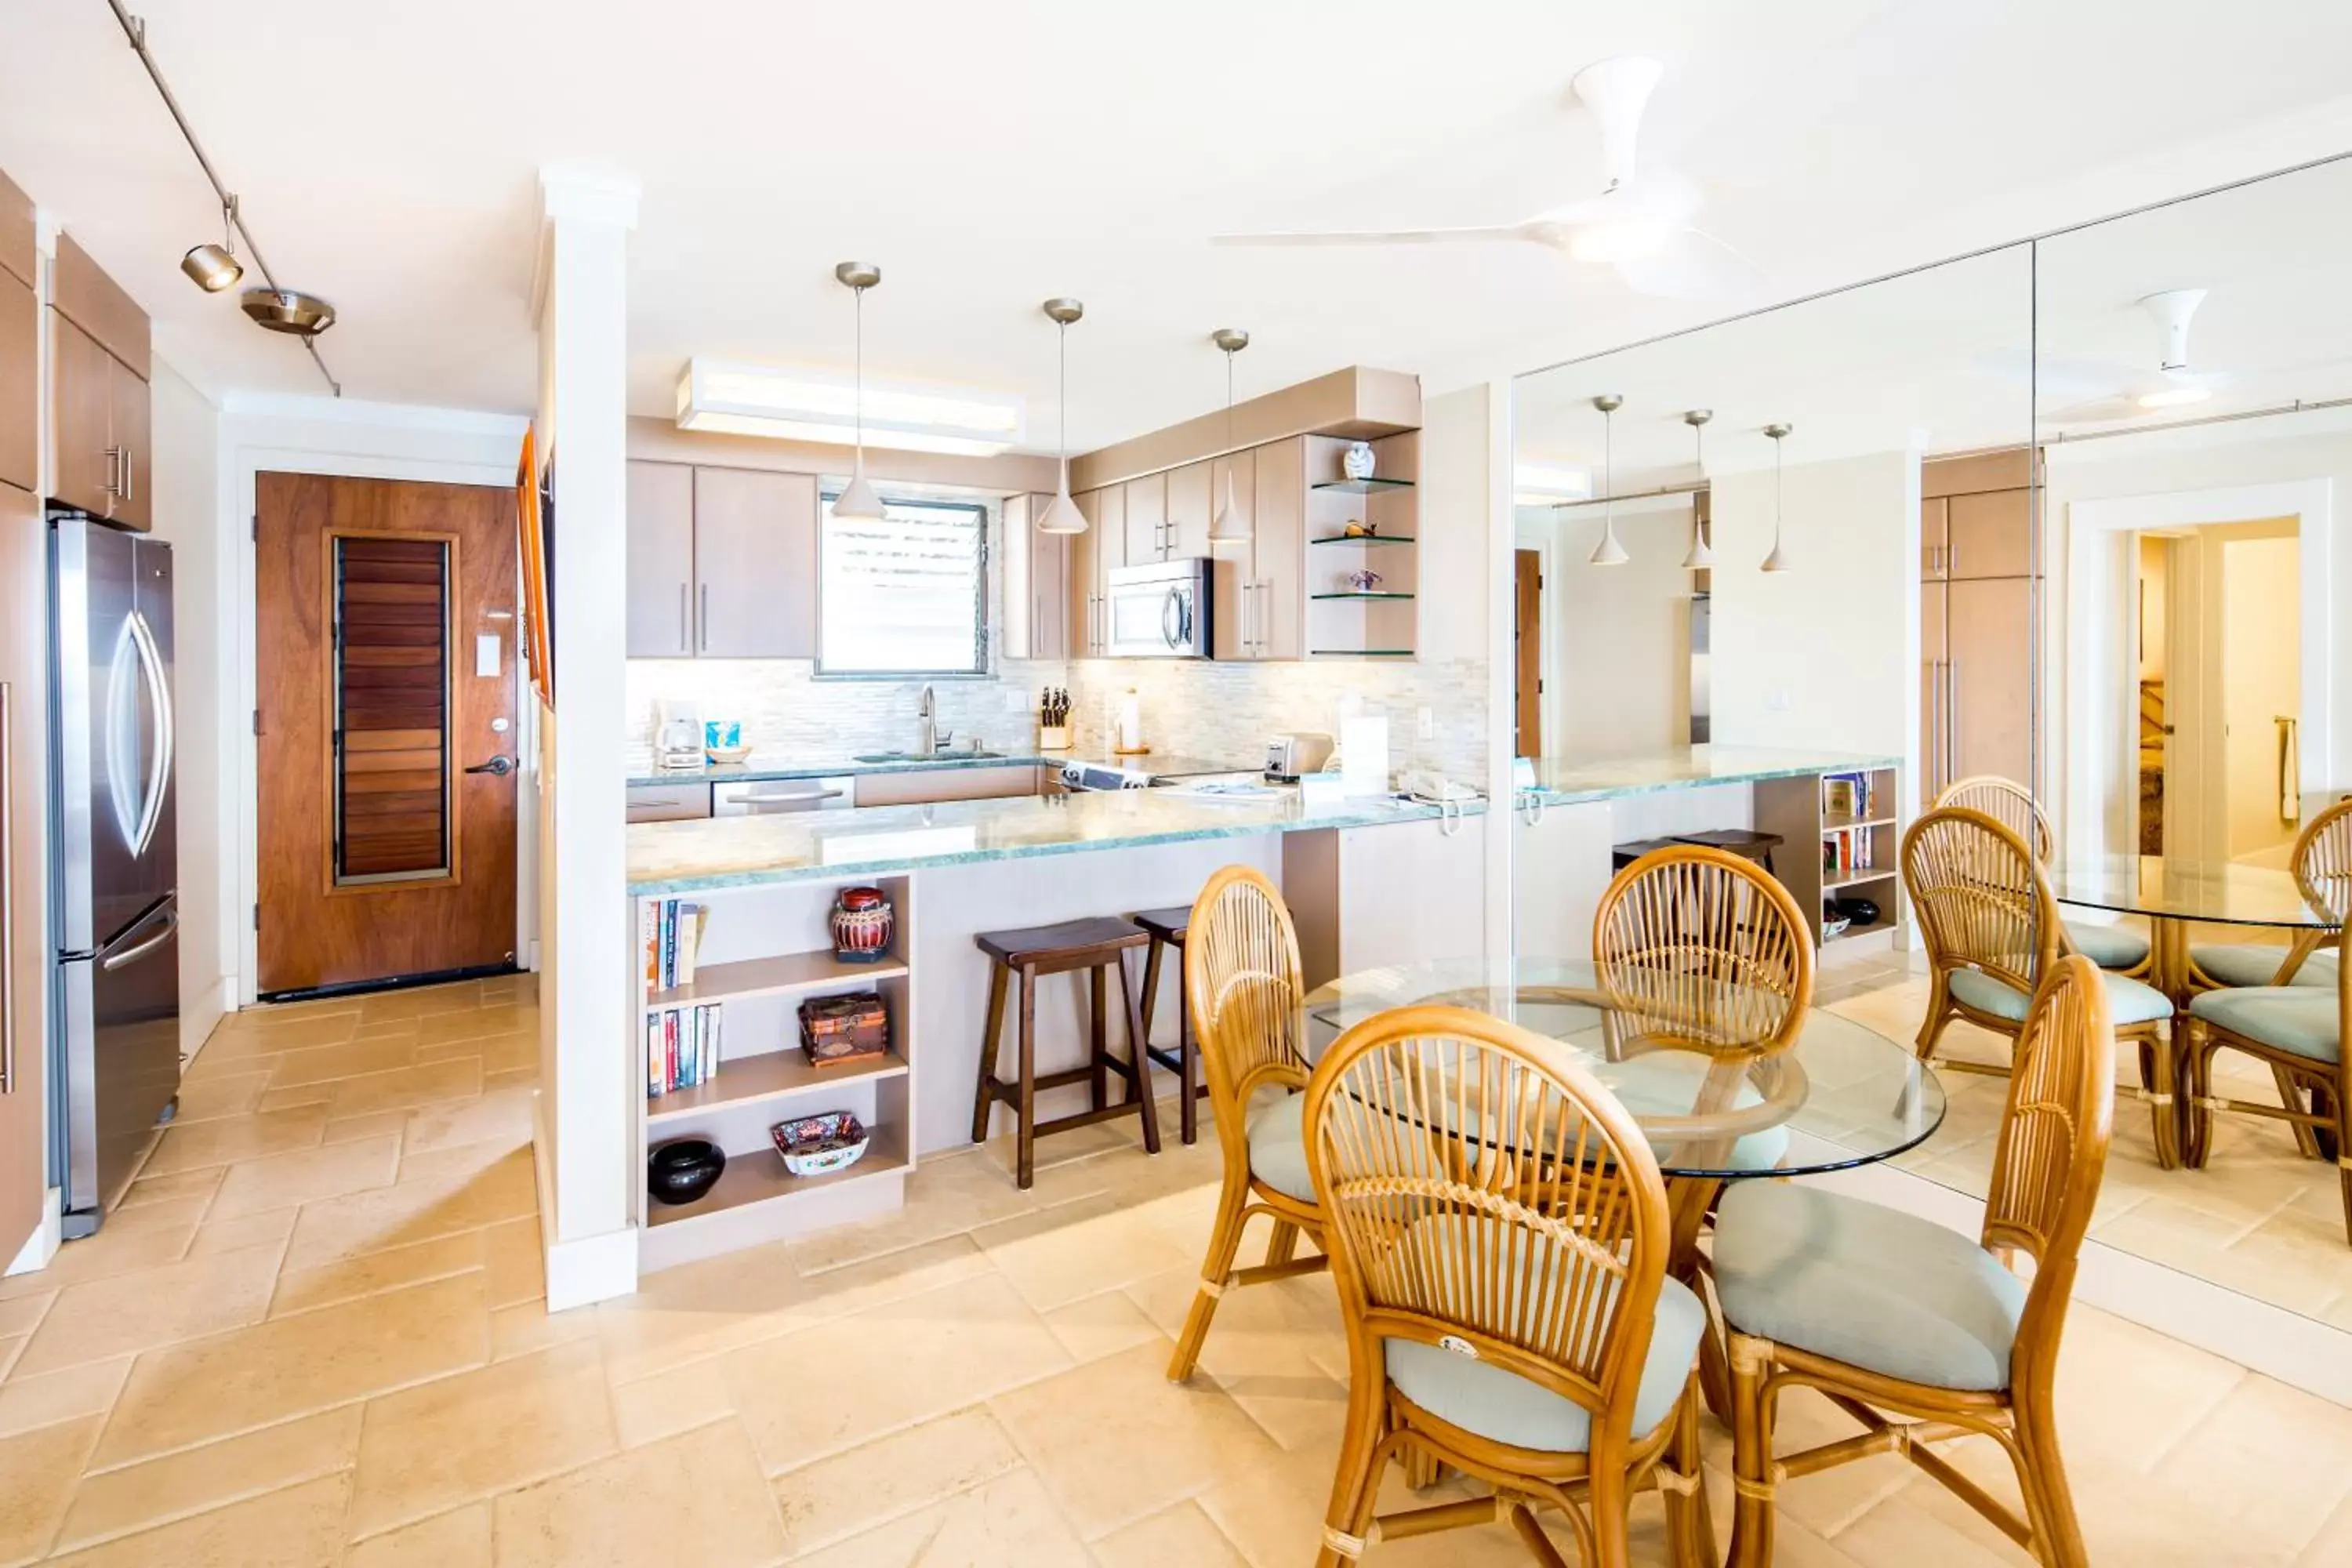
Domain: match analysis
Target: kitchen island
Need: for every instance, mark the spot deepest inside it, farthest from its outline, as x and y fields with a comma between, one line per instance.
x=1369, y=881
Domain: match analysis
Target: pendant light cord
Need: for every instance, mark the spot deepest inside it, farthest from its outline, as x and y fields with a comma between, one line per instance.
x=858, y=404
x=1062, y=346
x=1776, y=492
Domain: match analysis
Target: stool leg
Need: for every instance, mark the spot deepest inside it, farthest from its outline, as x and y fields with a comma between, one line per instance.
x=1151, y=986
x=1188, y=1053
x=1025, y=1155
x=1140, y=1084
x=1098, y=1055
x=990, y=1034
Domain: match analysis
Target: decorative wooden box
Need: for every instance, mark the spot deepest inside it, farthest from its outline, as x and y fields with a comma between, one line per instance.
x=838, y=1030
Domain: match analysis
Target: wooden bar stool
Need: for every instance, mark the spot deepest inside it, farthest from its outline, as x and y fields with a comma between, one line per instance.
x=1097, y=945
x=1748, y=843
x=1166, y=928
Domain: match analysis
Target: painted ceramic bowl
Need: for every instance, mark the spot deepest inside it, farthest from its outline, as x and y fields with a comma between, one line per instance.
x=681, y=1171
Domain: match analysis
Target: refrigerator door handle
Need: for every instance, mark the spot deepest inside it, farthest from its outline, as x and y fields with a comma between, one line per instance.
x=121, y=958
x=158, y=766
x=7, y=898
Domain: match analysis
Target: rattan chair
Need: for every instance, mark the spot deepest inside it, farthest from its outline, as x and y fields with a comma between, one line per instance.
x=1890, y=1314
x=1497, y=1230
x=1992, y=931
x=1704, y=949
x=2322, y=862
x=2012, y=806
x=2298, y=1031
x=1243, y=984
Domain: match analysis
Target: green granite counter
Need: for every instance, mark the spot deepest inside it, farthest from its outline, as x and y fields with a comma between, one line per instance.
x=666, y=858
x=1567, y=781
x=757, y=769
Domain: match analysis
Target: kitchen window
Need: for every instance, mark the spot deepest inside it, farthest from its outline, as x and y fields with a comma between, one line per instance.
x=904, y=596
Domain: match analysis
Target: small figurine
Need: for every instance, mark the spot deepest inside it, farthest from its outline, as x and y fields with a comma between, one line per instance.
x=1363, y=581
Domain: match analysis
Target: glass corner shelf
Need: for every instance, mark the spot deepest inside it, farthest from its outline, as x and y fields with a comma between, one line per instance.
x=1361, y=487
x=1363, y=539
x=1361, y=653
x=1351, y=593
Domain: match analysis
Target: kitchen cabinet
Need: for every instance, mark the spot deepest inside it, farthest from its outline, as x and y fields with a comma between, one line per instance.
x=1147, y=520
x=755, y=563
x=1989, y=679
x=668, y=803
x=1233, y=568
x=1980, y=583
x=1261, y=585
x=1035, y=623
x=1990, y=534
x=661, y=561
x=1088, y=560
x=923, y=787
x=1341, y=887
x=24, y=887
x=20, y=383
x=1189, y=508
x=99, y=388
x=1934, y=537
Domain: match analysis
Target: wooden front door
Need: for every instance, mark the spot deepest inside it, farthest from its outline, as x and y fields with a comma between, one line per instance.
x=389, y=770
x=1526, y=650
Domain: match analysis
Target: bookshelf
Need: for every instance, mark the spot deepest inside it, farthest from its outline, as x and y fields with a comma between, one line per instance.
x=1841, y=842
x=1344, y=621
x=763, y=951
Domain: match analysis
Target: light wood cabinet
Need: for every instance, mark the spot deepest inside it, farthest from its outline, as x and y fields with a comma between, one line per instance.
x=1088, y=560
x=1990, y=534
x=1935, y=538
x=20, y=384
x=1978, y=584
x=81, y=418
x=1233, y=568
x=755, y=563
x=99, y=389
x=922, y=786
x=1189, y=507
x=668, y=803
x=1147, y=520
x=24, y=887
x=1035, y=623
x=1989, y=677
x=661, y=561
x=131, y=416
x=1278, y=607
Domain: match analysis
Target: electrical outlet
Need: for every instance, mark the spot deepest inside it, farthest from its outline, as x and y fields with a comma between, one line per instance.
x=1429, y=723
x=1015, y=700
x=1779, y=701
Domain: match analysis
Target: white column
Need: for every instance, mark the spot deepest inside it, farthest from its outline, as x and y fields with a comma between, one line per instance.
x=587, y=1163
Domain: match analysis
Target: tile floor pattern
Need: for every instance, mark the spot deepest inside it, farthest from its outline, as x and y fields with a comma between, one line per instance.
x=314, y=1336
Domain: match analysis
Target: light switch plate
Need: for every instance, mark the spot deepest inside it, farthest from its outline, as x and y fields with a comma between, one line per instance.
x=488, y=654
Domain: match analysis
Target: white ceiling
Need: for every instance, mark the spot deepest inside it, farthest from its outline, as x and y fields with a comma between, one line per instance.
x=990, y=155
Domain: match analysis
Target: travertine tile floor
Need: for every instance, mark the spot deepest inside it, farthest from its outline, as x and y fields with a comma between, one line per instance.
x=315, y=1336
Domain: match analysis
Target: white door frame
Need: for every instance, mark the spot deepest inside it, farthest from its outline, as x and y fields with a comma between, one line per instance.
x=311, y=435
x=2092, y=648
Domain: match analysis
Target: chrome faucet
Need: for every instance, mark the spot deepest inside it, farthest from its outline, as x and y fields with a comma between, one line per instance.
x=927, y=713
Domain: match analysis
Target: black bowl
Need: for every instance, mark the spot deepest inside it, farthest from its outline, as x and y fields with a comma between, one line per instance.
x=682, y=1171
x=1861, y=911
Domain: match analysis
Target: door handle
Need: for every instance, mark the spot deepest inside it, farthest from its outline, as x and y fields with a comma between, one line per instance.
x=706, y=618
x=159, y=766
x=501, y=766
x=685, y=621
x=130, y=955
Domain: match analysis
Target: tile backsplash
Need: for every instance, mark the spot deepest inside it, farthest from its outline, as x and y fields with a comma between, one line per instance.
x=1223, y=712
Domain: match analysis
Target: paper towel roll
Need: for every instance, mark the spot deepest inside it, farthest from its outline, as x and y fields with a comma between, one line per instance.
x=1128, y=726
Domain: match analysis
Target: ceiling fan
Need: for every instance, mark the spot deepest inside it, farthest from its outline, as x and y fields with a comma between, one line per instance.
x=1639, y=226
x=2101, y=390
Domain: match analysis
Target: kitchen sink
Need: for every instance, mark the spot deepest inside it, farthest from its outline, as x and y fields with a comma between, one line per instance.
x=935, y=757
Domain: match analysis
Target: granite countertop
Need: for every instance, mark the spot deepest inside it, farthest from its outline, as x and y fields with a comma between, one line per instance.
x=742, y=851
x=760, y=769
x=1565, y=781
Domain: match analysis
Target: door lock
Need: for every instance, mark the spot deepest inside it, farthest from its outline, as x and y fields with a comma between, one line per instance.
x=501, y=766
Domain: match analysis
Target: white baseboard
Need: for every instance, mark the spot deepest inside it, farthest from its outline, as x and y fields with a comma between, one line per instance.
x=46, y=1238
x=586, y=1270
x=2302, y=1352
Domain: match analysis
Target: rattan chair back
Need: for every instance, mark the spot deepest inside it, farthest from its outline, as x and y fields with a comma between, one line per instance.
x=1245, y=987
x=1697, y=946
x=2007, y=801
x=1981, y=897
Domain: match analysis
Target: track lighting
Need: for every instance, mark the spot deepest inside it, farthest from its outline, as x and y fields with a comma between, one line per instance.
x=213, y=268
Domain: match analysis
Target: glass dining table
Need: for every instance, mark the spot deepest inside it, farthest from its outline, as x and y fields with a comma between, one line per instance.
x=2175, y=893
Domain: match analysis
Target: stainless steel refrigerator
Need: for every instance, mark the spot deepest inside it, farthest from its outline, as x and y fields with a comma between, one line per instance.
x=117, y=856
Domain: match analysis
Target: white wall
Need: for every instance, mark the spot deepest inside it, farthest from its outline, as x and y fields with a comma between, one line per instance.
x=1827, y=653
x=1617, y=661
x=187, y=457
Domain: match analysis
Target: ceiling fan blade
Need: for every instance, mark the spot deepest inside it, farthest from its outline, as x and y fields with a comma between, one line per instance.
x=1377, y=237
x=1691, y=265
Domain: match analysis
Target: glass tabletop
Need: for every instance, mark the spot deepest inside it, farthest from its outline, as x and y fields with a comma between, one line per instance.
x=2169, y=887
x=1859, y=1096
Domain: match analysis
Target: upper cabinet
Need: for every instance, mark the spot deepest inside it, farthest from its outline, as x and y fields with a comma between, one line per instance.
x=98, y=393
x=723, y=562
x=1147, y=520
x=20, y=336
x=1036, y=620
x=1187, y=533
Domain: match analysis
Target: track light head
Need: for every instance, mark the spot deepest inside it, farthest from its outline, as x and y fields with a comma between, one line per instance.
x=212, y=268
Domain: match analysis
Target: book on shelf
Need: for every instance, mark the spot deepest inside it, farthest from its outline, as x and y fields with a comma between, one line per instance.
x=1845, y=794
x=682, y=1047
x=669, y=932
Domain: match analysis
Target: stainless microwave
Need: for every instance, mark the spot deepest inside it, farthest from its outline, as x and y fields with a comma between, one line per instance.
x=1158, y=611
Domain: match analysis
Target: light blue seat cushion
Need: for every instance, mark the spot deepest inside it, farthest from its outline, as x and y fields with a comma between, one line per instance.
x=2128, y=1001
x=2298, y=1018
x=1479, y=1396
x=2109, y=946
x=1667, y=1083
x=2257, y=963
x=1866, y=1285
x=1277, y=1147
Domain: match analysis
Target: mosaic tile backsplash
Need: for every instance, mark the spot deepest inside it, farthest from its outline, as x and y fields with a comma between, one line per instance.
x=1223, y=711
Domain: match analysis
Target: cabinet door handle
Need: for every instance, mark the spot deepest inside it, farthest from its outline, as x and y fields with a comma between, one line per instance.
x=130, y=474
x=1265, y=587
x=706, y=618
x=685, y=621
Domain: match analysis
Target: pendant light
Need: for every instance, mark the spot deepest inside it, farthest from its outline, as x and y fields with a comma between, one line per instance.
x=213, y=268
x=1062, y=513
x=1608, y=552
x=857, y=499
x=1231, y=525
x=1701, y=555
x=1778, y=561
